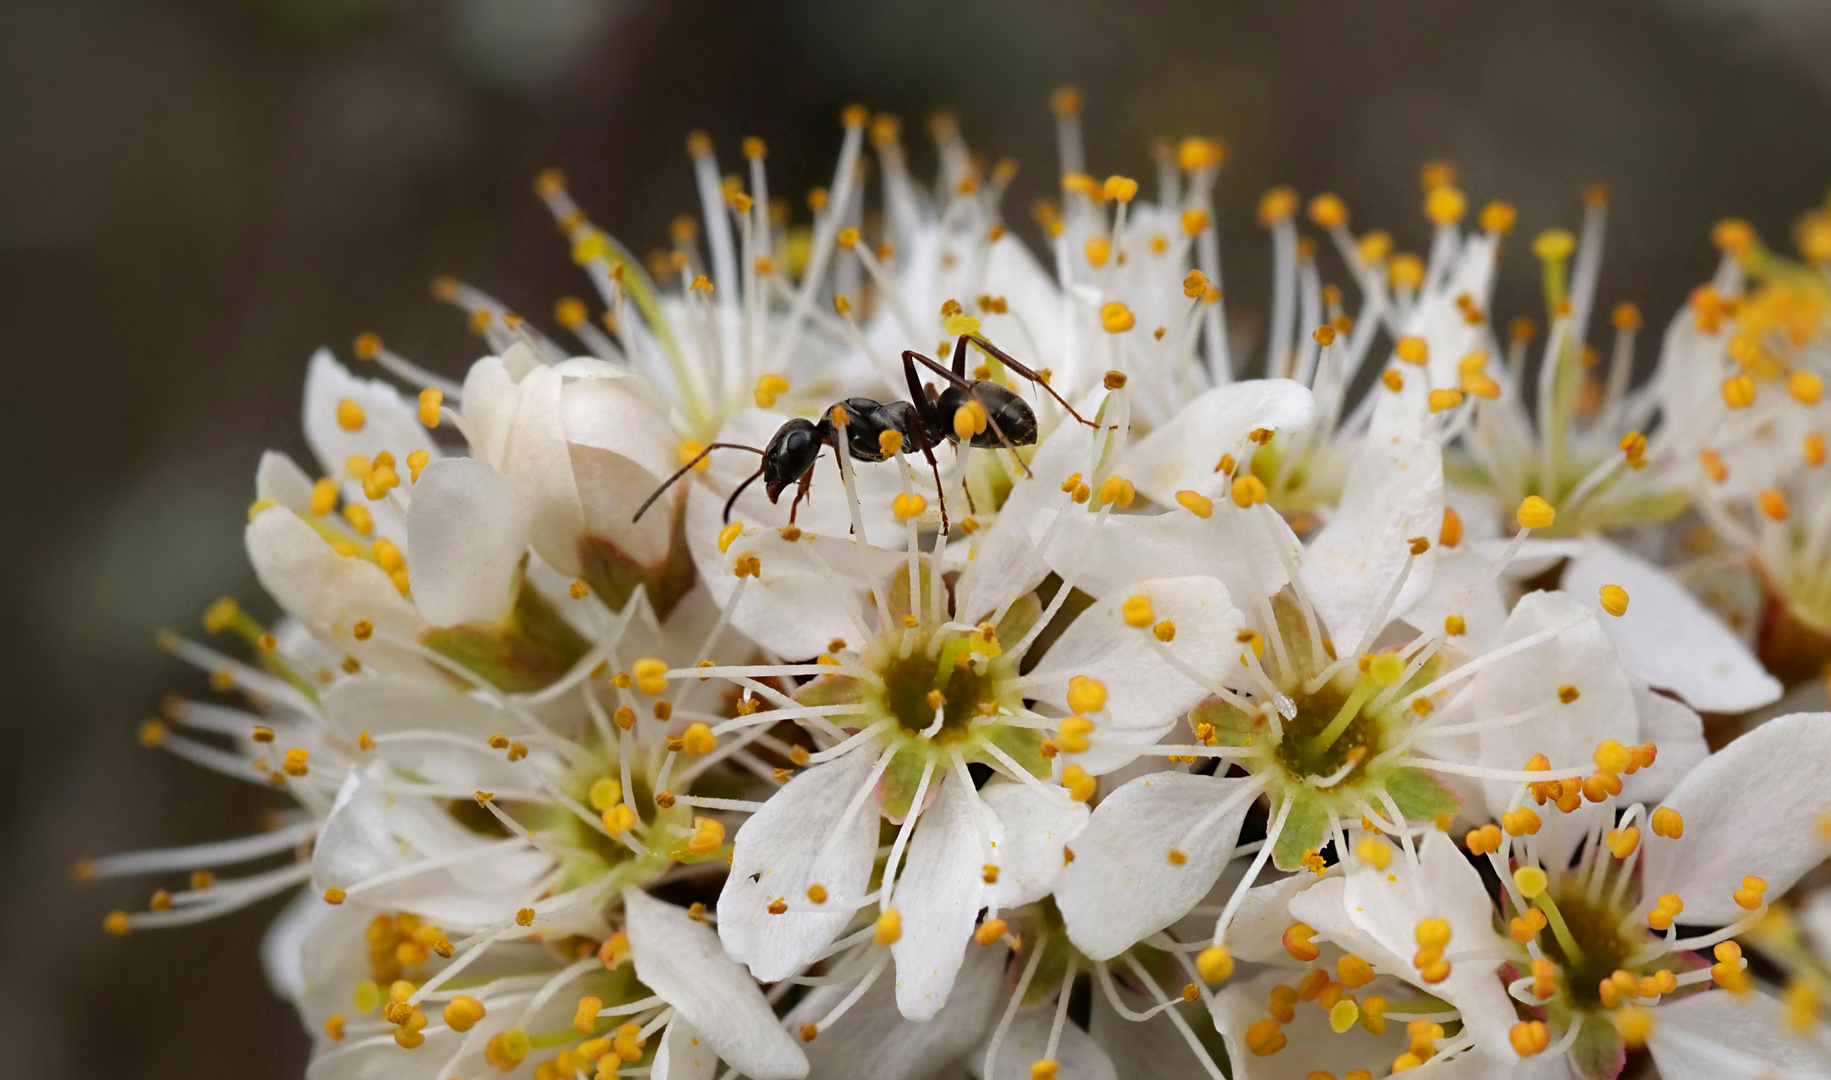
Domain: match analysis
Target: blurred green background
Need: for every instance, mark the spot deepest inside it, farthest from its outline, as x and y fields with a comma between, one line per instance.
x=195, y=193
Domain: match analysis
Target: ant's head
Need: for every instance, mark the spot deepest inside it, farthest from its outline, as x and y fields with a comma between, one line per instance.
x=791, y=454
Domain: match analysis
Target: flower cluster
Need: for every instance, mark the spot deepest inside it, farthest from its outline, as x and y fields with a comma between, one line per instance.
x=1100, y=711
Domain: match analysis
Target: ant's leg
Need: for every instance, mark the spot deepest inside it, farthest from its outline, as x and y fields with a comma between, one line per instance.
x=918, y=397
x=732, y=501
x=910, y=357
x=1005, y=359
x=940, y=496
x=960, y=356
x=807, y=481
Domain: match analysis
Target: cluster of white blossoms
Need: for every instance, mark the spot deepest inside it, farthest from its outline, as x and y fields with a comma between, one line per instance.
x=1099, y=711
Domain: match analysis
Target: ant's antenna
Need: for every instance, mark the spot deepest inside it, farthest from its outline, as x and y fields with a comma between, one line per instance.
x=688, y=467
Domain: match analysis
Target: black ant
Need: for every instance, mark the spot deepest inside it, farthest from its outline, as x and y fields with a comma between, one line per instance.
x=924, y=422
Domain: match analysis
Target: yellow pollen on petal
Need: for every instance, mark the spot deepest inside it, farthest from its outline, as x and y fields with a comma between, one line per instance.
x=1614, y=600
x=1138, y=612
x=1374, y=852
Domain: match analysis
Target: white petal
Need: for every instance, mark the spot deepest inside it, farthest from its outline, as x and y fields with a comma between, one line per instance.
x=778, y=847
x=685, y=1055
x=1143, y=1049
x=467, y=532
x=491, y=399
x=538, y=457
x=389, y=422
x=808, y=592
x=1753, y=808
x=1181, y=454
x=328, y=592
x=1393, y=493
x=1718, y=1035
x=279, y=480
x=939, y=895
x=283, y=946
x=622, y=449
x=1122, y=886
x=1678, y=732
x=680, y=959
x=1240, y=547
x=1026, y=1040
x=1582, y=657
x=1146, y=691
x=898, y=1048
x=1257, y=930
x=1668, y=638
x=1036, y=828
x=387, y=704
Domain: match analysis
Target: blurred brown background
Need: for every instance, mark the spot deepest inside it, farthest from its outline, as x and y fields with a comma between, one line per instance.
x=195, y=193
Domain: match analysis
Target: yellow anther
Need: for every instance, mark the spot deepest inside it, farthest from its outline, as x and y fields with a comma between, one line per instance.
x=1116, y=490
x=1248, y=491
x=605, y=793
x=1622, y=842
x=1044, y=1069
x=769, y=387
x=619, y=819
x=889, y=443
x=1164, y=631
x=1214, y=964
x=1498, y=217
x=907, y=506
x=1739, y=391
x=1668, y=823
x=1536, y=513
x=1413, y=350
x=889, y=928
x=431, y=399
x=1297, y=943
x=585, y=1018
x=1392, y=380
x=1138, y=612
x=1485, y=840
x=728, y=535
x=1327, y=211
x=1454, y=626
x=848, y=238
x=1751, y=895
x=1529, y=1037
x=507, y=1049
x=324, y=497
x=1521, y=821
x=294, y=763
x=1194, y=221
x=1614, y=600
x=1445, y=205
x=1194, y=153
x=1195, y=284
x=1116, y=318
x=989, y=932
x=651, y=675
x=1276, y=205
x=349, y=415
x=1773, y=504
x=334, y=896
x=1530, y=880
x=969, y=419
x=416, y=462
x=1374, y=852
x=1805, y=386
x=1385, y=668
x=1444, y=399
x=1098, y=250
x=1086, y=695
x=708, y=834
x=1265, y=1038
x=1120, y=188
x=1081, y=787
x=698, y=739
x=1554, y=244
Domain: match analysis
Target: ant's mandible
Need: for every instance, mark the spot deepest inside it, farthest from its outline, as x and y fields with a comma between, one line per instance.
x=994, y=416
